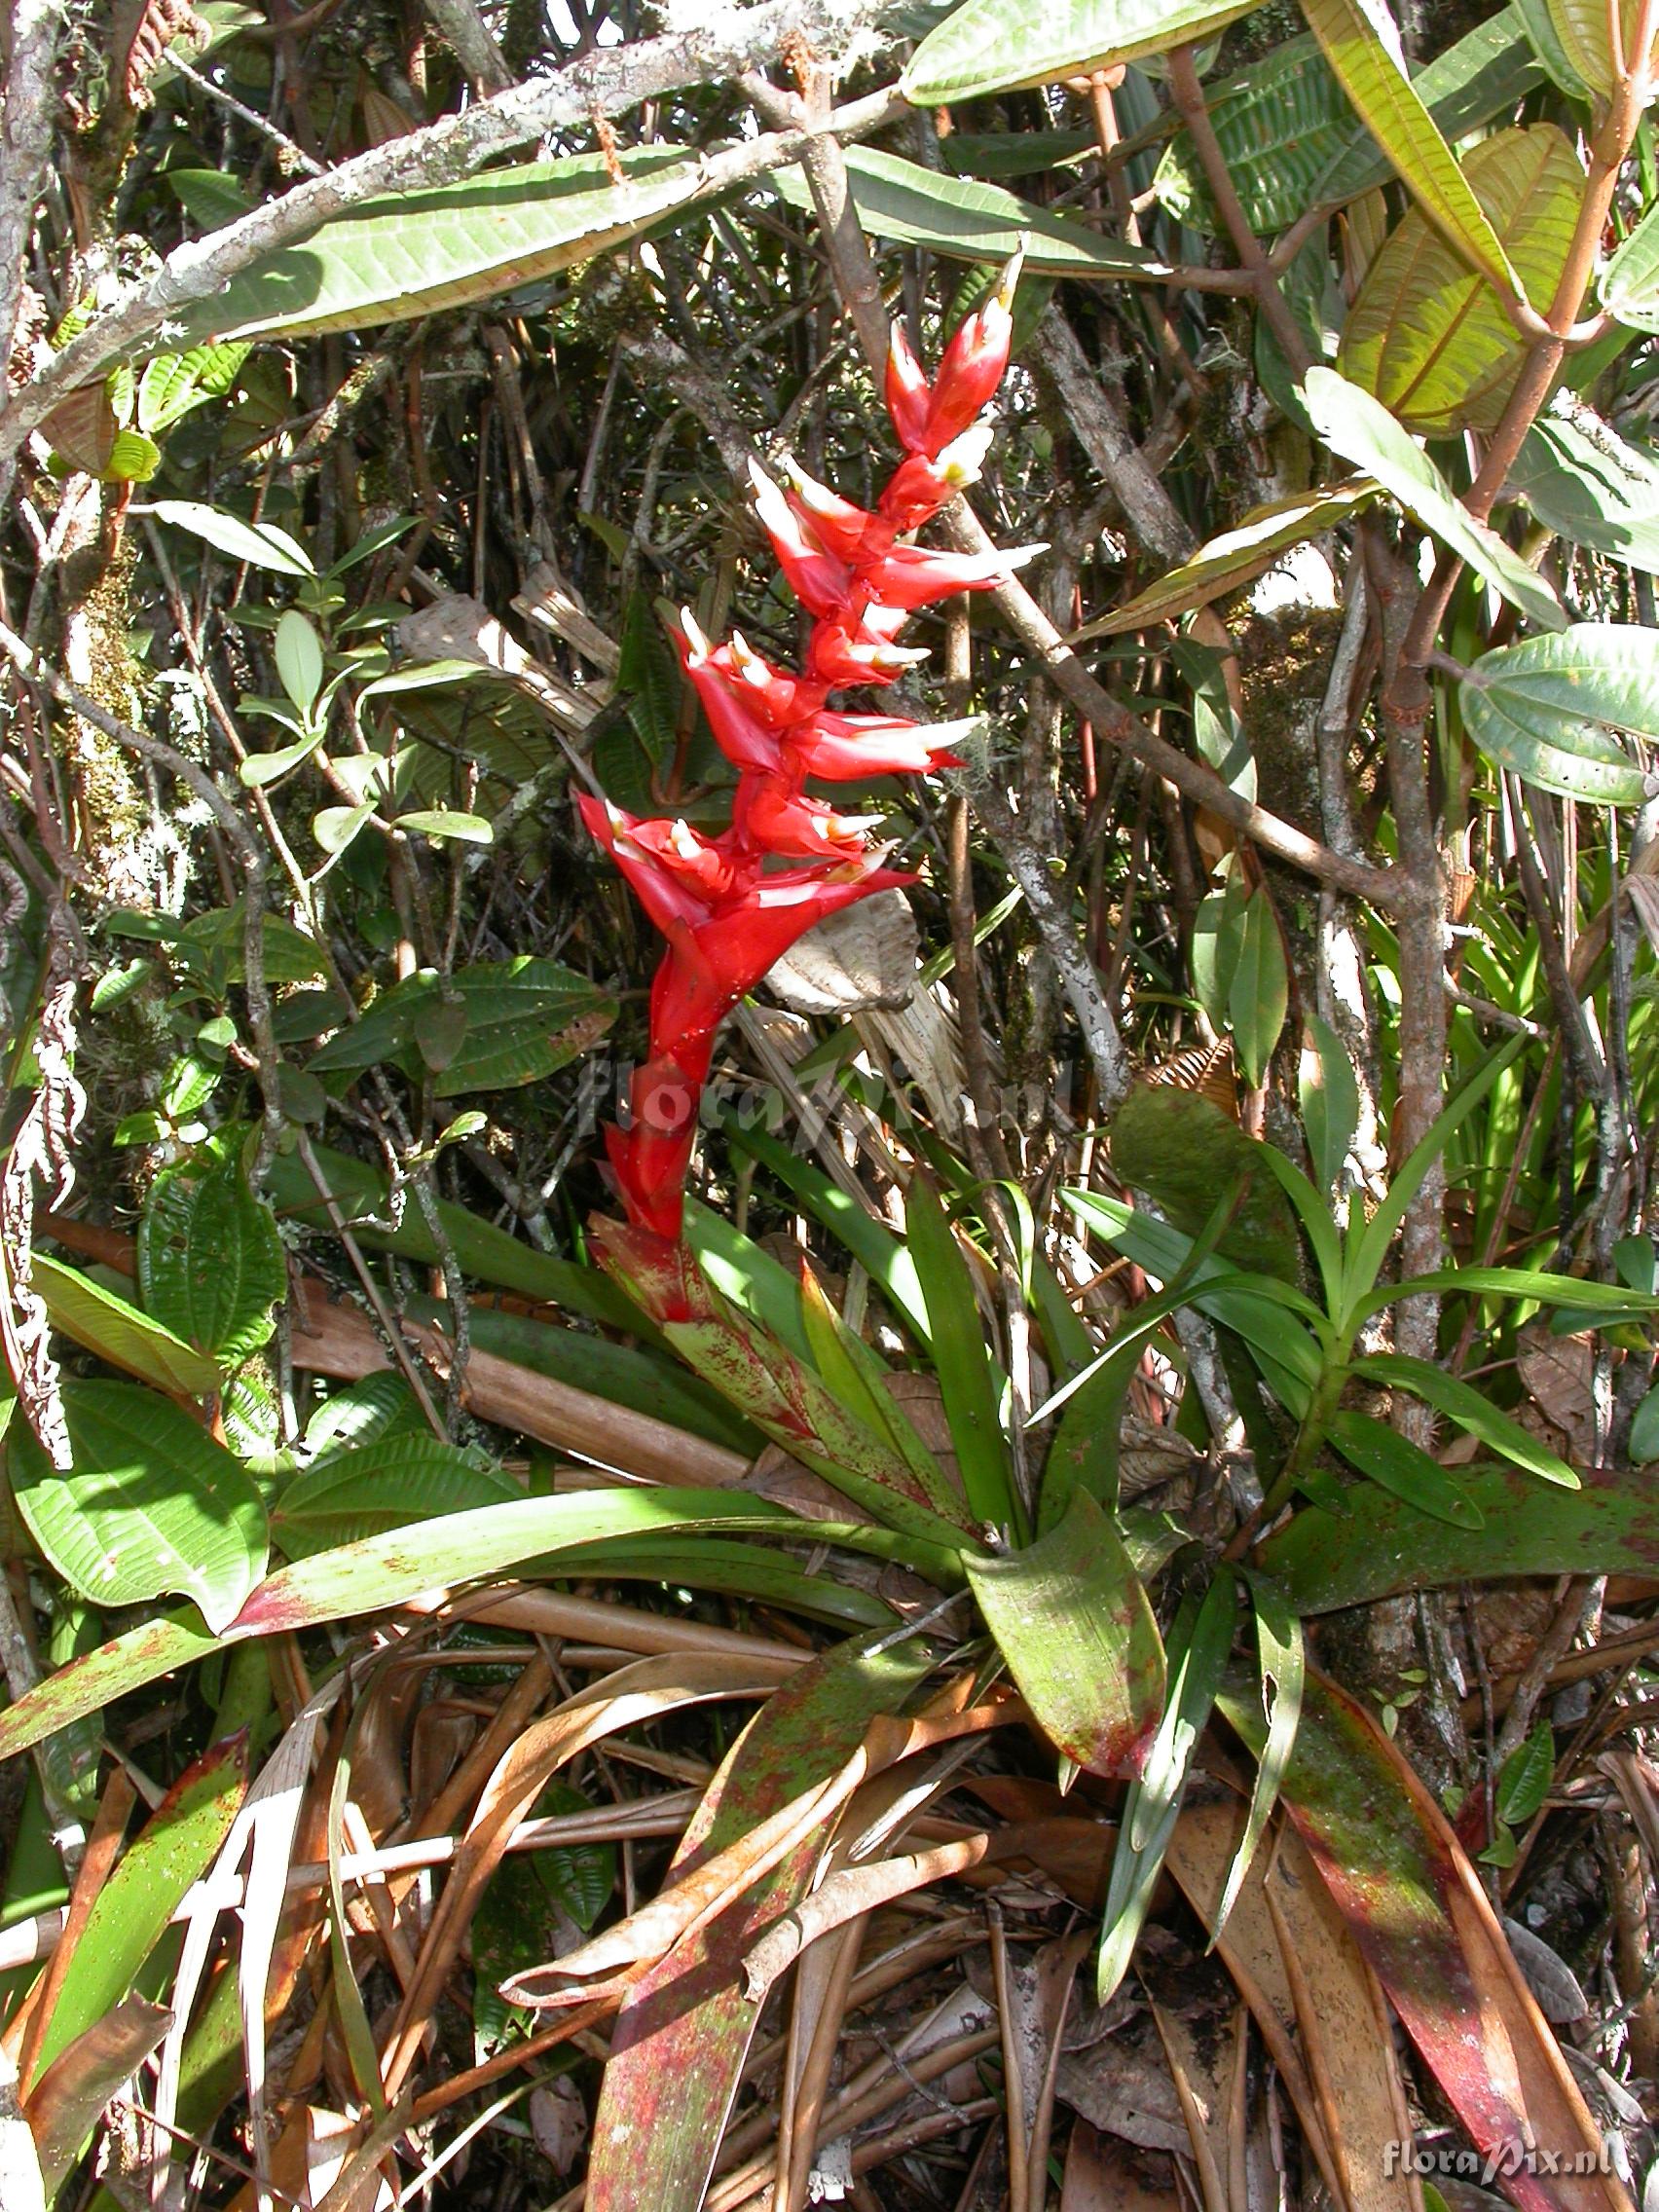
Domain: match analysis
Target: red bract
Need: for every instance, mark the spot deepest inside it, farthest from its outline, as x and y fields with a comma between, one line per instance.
x=727, y=914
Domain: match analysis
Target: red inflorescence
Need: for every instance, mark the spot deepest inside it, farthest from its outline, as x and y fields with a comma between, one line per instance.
x=728, y=915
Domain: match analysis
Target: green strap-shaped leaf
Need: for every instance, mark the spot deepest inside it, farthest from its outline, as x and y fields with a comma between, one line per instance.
x=1362, y=429
x=961, y=1359
x=1427, y=335
x=1259, y=995
x=1073, y=1622
x=1472, y=1410
x=1382, y=1545
x=1198, y=1646
x=1282, y=1653
x=1402, y=1467
x=178, y=1846
x=150, y=1505
x=1362, y=45
x=1547, y=708
x=991, y=46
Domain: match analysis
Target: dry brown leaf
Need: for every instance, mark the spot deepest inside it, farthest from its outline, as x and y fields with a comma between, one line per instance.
x=65, y=2102
x=1365, y=2104
x=1558, y=1373
x=1104, y=2174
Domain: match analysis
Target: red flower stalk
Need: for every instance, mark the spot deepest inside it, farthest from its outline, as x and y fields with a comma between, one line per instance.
x=726, y=914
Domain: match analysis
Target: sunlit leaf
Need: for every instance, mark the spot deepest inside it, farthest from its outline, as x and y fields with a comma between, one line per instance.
x=969, y=220
x=991, y=46
x=1360, y=429
x=106, y=1324
x=960, y=1357
x=1403, y=1468
x=1591, y=486
x=1362, y=44
x=427, y=252
x=1226, y=564
x=1548, y=708
x=1072, y=1620
x=150, y=1505
x=1427, y=335
x=261, y=544
x=1472, y=1410
x=176, y=1847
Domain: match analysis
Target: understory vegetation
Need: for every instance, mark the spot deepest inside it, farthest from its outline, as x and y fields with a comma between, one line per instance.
x=829, y=953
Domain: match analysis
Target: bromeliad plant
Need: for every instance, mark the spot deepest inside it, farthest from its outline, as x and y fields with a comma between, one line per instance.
x=727, y=913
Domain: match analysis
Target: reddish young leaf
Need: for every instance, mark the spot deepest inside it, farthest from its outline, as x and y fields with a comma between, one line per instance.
x=1418, y=1914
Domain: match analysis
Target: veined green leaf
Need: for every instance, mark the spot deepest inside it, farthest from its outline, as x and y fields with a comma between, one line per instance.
x=1484, y=75
x=1362, y=45
x=210, y=1260
x=1525, y=1781
x=1546, y=45
x=119, y=1333
x=992, y=46
x=1427, y=335
x=1402, y=1467
x=150, y=1505
x=1329, y=1096
x=1073, y=1622
x=1585, y=33
x=380, y=1486
x=1259, y=995
x=421, y=252
x=970, y=221
x=1013, y=153
x=1361, y=428
x=1235, y=558
x=1280, y=124
x=133, y=1907
x=1589, y=485
x=1629, y=287
x=524, y=1017
x=1548, y=707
